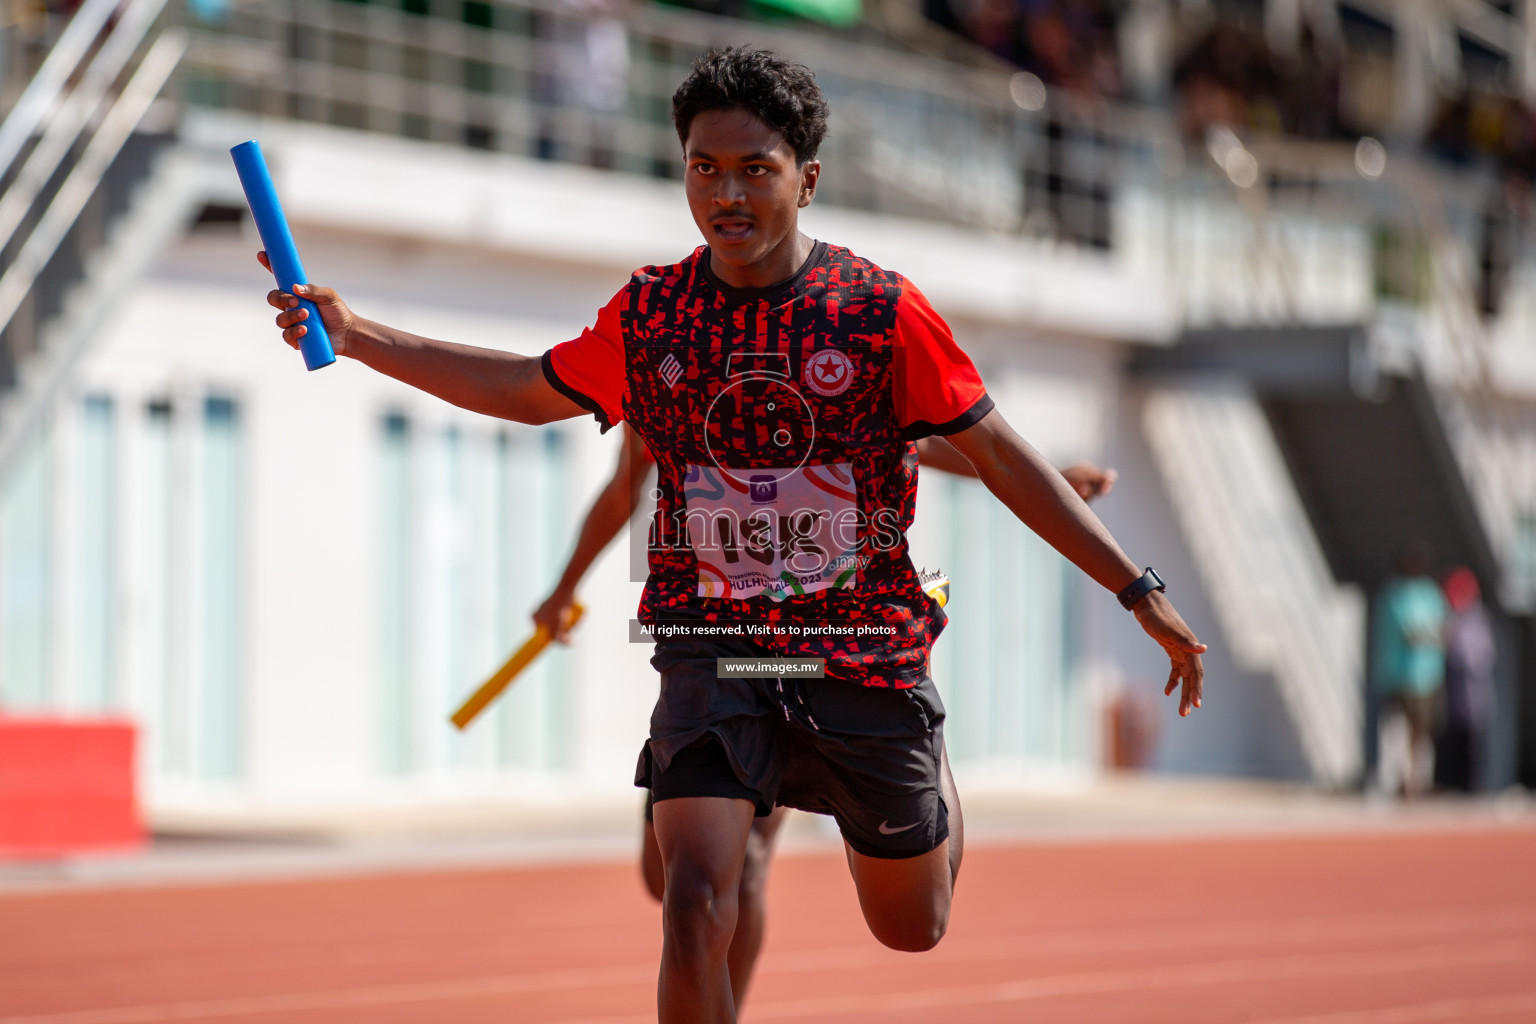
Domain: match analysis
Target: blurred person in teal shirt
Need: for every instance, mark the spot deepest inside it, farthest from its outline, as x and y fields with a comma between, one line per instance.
x=1409, y=670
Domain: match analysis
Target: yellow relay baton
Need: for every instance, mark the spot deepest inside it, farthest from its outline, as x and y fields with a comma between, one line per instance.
x=502, y=677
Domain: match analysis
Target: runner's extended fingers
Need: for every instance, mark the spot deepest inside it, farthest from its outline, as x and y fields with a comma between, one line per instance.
x=261, y=257
x=279, y=299
x=1188, y=670
x=1193, y=673
x=288, y=317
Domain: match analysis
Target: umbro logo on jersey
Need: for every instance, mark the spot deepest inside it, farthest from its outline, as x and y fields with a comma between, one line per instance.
x=671, y=370
x=829, y=372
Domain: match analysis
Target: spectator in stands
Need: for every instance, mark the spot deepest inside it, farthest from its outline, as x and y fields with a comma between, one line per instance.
x=1231, y=77
x=1070, y=44
x=1470, y=655
x=1309, y=81
x=1450, y=134
x=597, y=72
x=1216, y=79
x=1409, y=669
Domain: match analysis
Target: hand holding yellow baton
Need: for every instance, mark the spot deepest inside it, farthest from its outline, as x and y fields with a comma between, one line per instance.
x=502, y=677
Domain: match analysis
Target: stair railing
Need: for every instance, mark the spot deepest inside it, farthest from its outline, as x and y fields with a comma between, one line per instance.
x=73, y=113
x=42, y=92
x=119, y=116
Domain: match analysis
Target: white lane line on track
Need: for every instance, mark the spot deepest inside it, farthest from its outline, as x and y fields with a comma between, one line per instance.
x=1339, y=928
x=1423, y=958
x=1397, y=924
x=1376, y=962
x=1447, y=1009
x=351, y=998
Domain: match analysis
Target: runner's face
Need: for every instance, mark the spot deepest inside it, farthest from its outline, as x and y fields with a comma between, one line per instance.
x=745, y=192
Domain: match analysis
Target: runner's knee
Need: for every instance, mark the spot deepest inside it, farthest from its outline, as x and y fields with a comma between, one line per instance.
x=911, y=930
x=906, y=901
x=698, y=911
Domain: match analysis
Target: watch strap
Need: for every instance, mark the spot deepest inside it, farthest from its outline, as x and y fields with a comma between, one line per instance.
x=1140, y=588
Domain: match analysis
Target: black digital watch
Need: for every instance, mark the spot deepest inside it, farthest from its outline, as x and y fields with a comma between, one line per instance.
x=1140, y=588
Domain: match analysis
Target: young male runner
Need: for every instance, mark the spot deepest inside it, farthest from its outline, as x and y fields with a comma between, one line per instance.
x=778, y=380
x=614, y=506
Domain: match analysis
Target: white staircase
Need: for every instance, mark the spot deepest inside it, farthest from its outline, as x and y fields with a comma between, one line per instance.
x=67, y=254
x=1272, y=591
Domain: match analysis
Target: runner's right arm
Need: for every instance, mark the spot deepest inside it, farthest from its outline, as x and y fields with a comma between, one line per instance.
x=615, y=503
x=500, y=384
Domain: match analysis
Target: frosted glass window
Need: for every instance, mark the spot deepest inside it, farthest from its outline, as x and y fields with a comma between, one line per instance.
x=161, y=696
x=447, y=550
x=396, y=585
x=96, y=566
x=535, y=719
x=26, y=622
x=222, y=580
x=472, y=529
x=1004, y=663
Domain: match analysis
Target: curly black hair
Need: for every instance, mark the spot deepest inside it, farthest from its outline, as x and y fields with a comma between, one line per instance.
x=780, y=93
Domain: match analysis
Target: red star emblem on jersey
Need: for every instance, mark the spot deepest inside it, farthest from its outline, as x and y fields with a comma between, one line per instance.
x=829, y=372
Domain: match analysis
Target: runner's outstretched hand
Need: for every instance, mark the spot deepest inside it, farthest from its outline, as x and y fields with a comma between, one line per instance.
x=1089, y=481
x=1164, y=624
x=339, y=320
x=555, y=615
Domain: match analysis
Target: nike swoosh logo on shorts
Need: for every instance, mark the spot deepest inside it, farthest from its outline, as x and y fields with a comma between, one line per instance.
x=886, y=830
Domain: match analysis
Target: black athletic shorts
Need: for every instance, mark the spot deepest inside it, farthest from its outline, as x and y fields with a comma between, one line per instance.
x=868, y=756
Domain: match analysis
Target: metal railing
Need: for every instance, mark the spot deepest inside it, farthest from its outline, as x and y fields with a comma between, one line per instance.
x=67, y=168
x=974, y=145
x=909, y=135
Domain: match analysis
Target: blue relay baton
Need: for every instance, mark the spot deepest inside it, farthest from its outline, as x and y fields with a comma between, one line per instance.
x=261, y=196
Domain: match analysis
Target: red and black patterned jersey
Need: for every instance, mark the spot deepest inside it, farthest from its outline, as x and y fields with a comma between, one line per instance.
x=781, y=421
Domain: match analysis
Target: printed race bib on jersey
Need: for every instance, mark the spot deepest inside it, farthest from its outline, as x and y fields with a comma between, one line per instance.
x=778, y=532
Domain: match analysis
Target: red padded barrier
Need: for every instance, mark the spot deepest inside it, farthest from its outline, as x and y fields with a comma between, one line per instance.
x=67, y=786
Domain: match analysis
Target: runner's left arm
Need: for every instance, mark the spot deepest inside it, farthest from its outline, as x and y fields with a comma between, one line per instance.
x=940, y=394
x=1044, y=501
x=615, y=503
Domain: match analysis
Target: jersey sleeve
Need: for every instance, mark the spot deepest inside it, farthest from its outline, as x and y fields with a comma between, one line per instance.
x=938, y=390
x=589, y=370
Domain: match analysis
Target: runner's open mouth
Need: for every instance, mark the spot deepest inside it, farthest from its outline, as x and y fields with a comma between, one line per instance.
x=733, y=230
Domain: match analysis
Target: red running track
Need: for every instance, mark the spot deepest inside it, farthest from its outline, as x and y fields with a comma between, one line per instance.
x=1342, y=929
